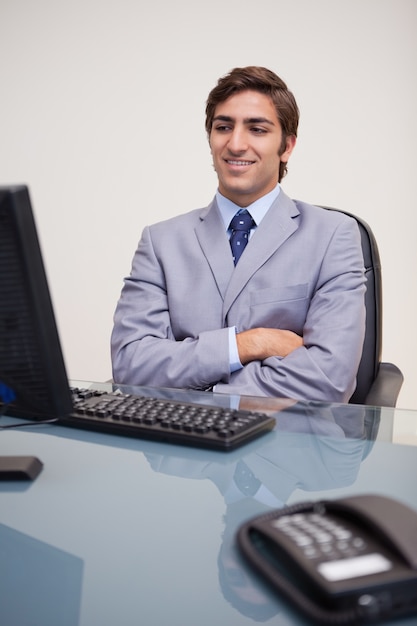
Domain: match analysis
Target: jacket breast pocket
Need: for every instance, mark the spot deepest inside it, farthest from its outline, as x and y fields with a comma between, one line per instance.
x=280, y=307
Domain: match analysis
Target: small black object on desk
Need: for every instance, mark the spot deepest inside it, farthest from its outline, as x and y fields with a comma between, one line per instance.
x=20, y=467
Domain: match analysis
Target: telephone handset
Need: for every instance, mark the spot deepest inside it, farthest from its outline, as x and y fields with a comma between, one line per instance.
x=344, y=561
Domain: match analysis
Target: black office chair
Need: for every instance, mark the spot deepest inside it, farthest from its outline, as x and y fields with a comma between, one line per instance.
x=378, y=384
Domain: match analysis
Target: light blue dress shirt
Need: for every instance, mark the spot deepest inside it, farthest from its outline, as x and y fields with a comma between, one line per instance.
x=258, y=210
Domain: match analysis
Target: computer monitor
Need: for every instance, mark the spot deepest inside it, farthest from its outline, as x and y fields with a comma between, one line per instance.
x=33, y=379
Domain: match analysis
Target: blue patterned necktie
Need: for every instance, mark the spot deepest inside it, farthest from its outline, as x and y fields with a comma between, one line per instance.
x=240, y=226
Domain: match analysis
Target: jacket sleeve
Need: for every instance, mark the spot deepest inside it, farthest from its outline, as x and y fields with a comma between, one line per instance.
x=143, y=346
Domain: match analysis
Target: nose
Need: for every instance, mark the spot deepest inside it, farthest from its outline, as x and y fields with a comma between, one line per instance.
x=237, y=141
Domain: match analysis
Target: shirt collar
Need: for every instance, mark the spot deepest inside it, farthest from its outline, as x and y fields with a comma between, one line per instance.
x=257, y=209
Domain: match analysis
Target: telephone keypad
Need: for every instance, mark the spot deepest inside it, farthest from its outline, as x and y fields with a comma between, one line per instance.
x=320, y=537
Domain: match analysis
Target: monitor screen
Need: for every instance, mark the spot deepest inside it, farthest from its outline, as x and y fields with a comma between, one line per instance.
x=33, y=378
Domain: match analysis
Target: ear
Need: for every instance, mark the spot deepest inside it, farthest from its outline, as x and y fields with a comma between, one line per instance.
x=289, y=147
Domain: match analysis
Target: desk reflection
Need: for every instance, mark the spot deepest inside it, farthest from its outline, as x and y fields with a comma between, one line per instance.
x=39, y=583
x=312, y=448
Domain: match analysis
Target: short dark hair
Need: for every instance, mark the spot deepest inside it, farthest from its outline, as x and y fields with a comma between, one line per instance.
x=267, y=82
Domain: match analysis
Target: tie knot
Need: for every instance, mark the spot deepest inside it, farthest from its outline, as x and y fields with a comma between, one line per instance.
x=242, y=221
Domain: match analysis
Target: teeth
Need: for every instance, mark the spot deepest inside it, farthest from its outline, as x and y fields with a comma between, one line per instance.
x=239, y=162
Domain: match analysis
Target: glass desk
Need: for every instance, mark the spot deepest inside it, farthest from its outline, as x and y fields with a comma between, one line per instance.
x=123, y=531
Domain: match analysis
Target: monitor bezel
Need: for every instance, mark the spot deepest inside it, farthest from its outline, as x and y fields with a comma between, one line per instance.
x=41, y=387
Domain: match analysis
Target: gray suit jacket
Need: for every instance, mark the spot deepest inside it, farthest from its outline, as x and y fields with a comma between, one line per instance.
x=302, y=271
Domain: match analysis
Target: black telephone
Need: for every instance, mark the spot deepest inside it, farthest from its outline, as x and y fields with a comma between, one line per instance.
x=343, y=561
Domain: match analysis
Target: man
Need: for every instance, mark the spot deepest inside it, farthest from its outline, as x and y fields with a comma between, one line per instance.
x=287, y=317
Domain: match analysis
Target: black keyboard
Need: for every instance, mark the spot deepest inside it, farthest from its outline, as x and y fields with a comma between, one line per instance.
x=171, y=421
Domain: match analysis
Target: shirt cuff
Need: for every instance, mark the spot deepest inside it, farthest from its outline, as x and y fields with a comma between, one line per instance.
x=234, y=360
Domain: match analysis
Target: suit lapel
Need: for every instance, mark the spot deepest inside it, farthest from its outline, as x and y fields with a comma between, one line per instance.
x=275, y=228
x=215, y=246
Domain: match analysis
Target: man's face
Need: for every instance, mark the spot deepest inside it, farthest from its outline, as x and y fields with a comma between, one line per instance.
x=245, y=141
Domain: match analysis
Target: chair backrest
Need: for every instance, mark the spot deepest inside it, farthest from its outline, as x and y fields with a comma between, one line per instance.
x=372, y=348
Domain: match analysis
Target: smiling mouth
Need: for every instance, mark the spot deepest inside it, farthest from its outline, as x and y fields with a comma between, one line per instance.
x=238, y=163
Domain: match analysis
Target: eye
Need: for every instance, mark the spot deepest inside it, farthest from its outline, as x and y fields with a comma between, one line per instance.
x=222, y=128
x=256, y=130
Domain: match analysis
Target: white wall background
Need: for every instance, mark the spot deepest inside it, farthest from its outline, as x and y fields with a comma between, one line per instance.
x=102, y=115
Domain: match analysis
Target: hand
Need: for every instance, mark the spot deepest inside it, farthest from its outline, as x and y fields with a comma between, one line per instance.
x=257, y=344
x=265, y=404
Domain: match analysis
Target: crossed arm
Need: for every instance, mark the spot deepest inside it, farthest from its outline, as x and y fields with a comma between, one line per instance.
x=257, y=344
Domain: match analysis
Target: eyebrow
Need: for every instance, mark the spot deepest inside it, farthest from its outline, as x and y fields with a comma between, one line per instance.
x=248, y=120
